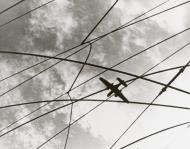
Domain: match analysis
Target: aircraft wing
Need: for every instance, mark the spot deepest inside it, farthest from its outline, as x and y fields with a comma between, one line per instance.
x=109, y=94
x=123, y=97
x=106, y=83
x=122, y=82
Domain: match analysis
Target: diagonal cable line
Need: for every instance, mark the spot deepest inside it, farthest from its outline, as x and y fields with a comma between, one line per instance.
x=155, y=133
x=32, y=10
x=12, y=6
x=99, y=21
x=81, y=67
x=70, y=118
x=161, y=92
x=79, y=44
x=95, y=100
x=158, y=72
x=139, y=16
x=120, y=28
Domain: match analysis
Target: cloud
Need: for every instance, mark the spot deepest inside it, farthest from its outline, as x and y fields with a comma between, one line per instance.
x=61, y=25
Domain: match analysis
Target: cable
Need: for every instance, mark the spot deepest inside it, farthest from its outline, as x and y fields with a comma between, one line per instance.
x=161, y=92
x=6, y=23
x=139, y=16
x=99, y=22
x=17, y=3
x=155, y=133
x=94, y=100
x=70, y=96
x=70, y=118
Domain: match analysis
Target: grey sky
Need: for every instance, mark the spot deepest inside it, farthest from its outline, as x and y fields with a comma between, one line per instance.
x=64, y=24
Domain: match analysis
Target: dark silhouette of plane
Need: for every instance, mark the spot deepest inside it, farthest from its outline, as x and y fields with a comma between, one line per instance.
x=114, y=88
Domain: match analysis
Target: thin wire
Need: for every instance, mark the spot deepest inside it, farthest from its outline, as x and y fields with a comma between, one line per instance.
x=157, y=6
x=95, y=100
x=120, y=28
x=159, y=94
x=155, y=133
x=17, y=3
x=32, y=10
x=70, y=118
x=107, y=12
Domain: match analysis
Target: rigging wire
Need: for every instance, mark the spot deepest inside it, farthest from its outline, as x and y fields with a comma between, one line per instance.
x=155, y=133
x=12, y=6
x=95, y=100
x=159, y=94
x=99, y=21
x=70, y=118
x=28, y=12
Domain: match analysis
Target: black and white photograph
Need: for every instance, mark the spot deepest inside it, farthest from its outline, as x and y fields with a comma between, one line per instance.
x=94, y=74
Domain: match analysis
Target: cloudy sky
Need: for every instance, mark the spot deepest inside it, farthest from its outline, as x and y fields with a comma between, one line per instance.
x=64, y=24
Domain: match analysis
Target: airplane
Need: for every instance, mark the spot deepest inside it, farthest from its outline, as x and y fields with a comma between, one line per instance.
x=114, y=88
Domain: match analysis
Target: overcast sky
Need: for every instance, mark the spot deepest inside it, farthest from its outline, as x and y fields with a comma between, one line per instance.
x=63, y=24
